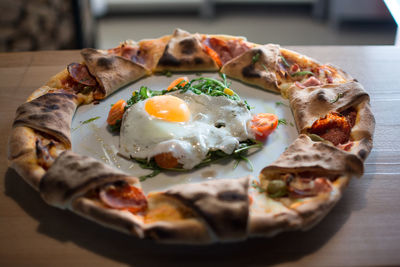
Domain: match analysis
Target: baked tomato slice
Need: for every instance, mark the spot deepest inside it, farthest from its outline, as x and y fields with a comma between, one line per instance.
x=123, y=196
x=334, y=127
x=263, y=124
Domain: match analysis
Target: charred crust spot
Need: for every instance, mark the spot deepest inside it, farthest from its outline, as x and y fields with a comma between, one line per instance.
x=231, y=196
x=73, y=165
x=362, y=153
x=250, y=72
x=169, y=60
x=321, y=96
x=33, y=103
x=51, y=107
x=39, y=117
x=53, y=100
x=198, y=61
x=188, y=46
x=105, y=62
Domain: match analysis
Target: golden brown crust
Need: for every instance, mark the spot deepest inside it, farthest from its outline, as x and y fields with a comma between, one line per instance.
x=22, y=155
x=256, y=66
x=206, y=212
x=112, y=72
x=222, y=203
x=307, y=155
x=184, y=52
x=50, y=113
x=312, y=103
x=73, y=175
x=152, y=50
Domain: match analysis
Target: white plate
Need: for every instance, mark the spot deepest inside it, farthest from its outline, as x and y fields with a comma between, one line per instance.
x=93, y=139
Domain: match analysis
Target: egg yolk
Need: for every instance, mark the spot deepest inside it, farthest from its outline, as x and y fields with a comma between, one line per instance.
x=168, y=107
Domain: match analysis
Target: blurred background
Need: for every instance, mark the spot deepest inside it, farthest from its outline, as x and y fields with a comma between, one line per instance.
x=27, y=25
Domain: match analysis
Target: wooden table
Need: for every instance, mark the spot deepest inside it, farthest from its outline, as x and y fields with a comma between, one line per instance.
x=363, y=229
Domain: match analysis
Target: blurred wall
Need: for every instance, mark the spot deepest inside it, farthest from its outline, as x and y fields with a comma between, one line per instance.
x=45, y=25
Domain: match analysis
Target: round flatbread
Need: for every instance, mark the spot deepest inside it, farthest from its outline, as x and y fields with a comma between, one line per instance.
x=331, y=110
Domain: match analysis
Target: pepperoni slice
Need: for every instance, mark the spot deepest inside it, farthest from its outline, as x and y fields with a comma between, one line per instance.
x=123, y=196
x=80, y=74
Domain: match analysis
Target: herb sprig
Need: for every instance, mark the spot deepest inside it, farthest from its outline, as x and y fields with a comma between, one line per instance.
x=338, y=96
x=213, y=156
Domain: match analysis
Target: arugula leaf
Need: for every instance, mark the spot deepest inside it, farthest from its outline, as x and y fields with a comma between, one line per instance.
x=116, y=127
x=301, y=73
x=282, y=121
x=90, y=120
x=285, y=62
x=279, y=103
x=265, y=68
x=255, y=58
x=339, y=95
x=212, y=157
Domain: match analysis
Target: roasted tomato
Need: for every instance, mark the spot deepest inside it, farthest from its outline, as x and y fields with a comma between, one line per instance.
x=166, y=160
x=333, y=127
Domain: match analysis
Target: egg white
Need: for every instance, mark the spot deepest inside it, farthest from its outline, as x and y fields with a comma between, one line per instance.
x=144, y=136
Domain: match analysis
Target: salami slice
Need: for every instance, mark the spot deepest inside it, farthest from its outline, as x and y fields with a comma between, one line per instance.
x=123, y=196
x=80, y=74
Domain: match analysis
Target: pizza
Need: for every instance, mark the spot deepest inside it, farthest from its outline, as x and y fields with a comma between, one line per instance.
x=198, y=121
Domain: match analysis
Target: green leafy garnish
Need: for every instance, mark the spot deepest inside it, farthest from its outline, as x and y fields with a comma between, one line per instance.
x=279, y=103
x=212, y=157
x=265, y=68
x=282, y=121
x=285, y=62
x=90, y=120
x=302, y=73
x=85, y=122
x=338, y=96
x=291, y=124
x=255, y=58
x=116, y=127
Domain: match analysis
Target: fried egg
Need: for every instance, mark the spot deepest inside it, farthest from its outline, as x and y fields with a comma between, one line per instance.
x=185, y=124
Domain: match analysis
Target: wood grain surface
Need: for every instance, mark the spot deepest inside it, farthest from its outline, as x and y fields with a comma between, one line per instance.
x=363, y=229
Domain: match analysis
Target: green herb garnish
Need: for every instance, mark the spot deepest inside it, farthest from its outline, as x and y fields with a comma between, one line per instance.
x=255, y=58
x=85, y=122
x=265, y=68
x=338, y=96
x=302, y=73
x=116, y=127
x=282, y=121
x=90, y=120
x=285, y=62
x=213, y=156
x=279, y=103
